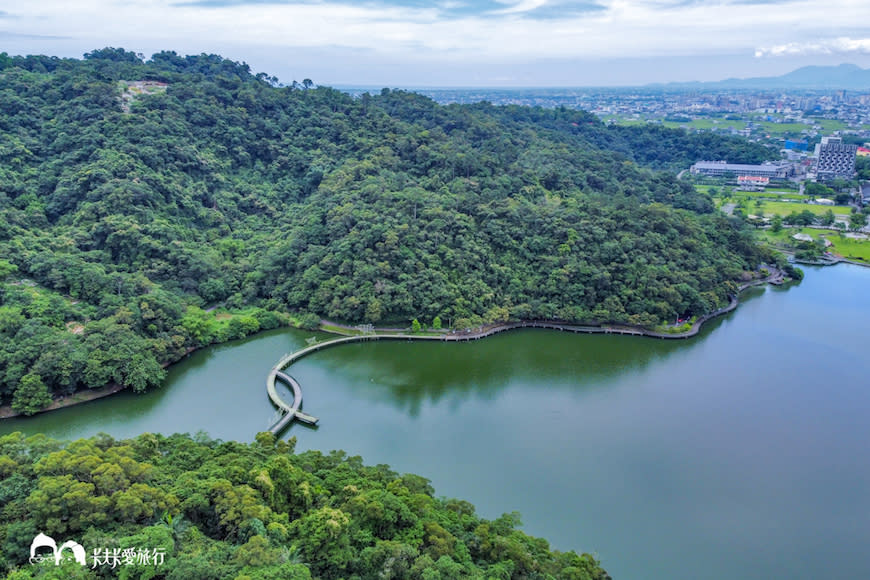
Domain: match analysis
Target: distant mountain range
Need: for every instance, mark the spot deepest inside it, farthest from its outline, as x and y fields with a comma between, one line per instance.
x=844, y=76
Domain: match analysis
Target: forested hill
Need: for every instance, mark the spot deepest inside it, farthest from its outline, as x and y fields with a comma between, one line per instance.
x=217, y=510
x=134, y=195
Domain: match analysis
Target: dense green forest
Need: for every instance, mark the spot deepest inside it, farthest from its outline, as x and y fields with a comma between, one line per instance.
x=128, y=211
x=219, y=510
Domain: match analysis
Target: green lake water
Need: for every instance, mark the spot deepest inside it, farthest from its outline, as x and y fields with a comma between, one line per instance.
x=742, y=453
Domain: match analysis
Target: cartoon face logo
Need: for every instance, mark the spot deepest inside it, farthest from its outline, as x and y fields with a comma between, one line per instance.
x=57, y=554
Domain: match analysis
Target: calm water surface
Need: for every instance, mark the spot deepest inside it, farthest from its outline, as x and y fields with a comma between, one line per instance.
x=739, y=454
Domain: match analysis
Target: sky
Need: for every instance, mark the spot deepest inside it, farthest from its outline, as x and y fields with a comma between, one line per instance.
x=415, y=43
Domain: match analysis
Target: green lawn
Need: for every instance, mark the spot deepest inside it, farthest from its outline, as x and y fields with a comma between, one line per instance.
x=751, y=196
x=780, y=192
x=830, y=125
x=766, y=127
x=783, y=128
x=852, y=249
x=623, y=121
x=339, y=330
x=788, y=196
x=784, y=208
x=707, y=124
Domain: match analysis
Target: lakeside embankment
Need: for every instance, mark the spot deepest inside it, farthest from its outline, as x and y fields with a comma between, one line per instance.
x=80, y=397
x=775, y=277
x=349, y=334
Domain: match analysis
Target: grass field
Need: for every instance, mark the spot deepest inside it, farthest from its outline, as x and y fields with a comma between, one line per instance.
x=707, y=124
x=784, y=192
x=623, y=121
x=340, y=330
x=789, y=197
x=783, y=208
x=830, y=125
x=751, y=196
x=767, y=127
x=783, y=128
x=849, y=248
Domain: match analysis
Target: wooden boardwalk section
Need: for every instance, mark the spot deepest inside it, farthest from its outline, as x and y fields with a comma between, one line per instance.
x=291, y=412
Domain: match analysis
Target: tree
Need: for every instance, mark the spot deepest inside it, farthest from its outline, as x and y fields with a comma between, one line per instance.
x=857, y=221
x=804, y=218
x=309, y=321
x=31, y=396
x=436, y=323
x=323, y=539
x=813, y=189
x=374, y=310
x=7, y=269
x=198, y=325
x=415, y=326
x=776, y=224
x=142, y=372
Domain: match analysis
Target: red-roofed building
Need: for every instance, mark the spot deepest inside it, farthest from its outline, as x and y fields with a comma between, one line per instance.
x=752, y=182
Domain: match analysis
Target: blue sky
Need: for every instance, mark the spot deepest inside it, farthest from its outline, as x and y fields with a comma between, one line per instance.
x=461, y=42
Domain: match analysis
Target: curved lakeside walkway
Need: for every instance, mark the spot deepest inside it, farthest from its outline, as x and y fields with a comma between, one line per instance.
x=291, y=411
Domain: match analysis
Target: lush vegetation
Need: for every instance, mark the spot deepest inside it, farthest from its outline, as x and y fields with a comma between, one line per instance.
x=125, y=215
x=231, y=510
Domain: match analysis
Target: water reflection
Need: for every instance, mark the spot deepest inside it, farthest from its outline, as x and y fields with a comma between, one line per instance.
x=408, y=374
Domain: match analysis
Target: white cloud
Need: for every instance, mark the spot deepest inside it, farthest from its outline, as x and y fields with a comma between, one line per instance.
x=520, y=6
x=843, y=45
x=621, y=29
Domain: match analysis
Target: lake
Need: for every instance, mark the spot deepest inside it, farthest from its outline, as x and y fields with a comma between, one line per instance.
x=741, y=453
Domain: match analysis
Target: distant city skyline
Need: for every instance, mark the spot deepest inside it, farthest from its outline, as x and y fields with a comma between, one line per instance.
x=479, y=43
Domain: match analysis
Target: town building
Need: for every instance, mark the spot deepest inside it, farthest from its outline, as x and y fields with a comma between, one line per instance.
x=835, y=159
x=752, y=182
x=723, y=168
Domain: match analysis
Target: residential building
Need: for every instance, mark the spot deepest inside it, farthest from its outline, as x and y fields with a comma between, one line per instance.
x=835, y=159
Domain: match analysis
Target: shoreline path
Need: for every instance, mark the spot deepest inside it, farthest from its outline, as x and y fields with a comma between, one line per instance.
x=291, y=410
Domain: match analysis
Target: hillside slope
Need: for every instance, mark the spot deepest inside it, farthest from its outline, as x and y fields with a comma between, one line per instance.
x=127, y=208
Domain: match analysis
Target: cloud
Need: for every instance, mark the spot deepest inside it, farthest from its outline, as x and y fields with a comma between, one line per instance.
x=447, y=9
x=453, y=31
x=831, y=46
x=6, y=35
x=550, y=9
x=520, y=6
